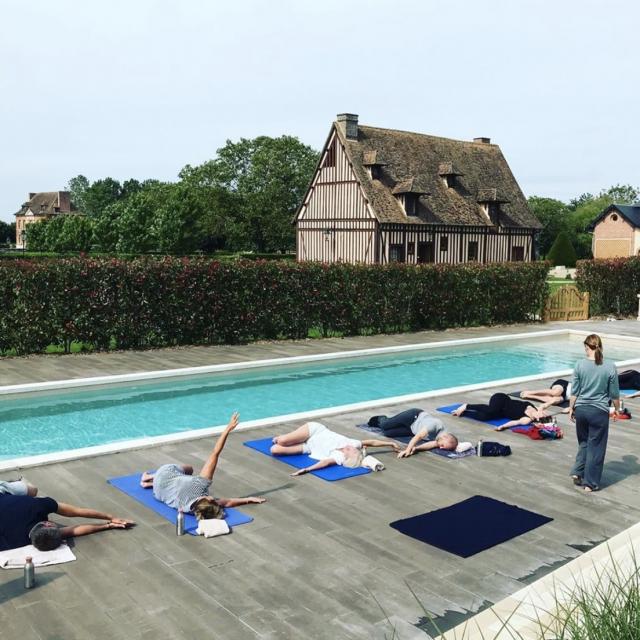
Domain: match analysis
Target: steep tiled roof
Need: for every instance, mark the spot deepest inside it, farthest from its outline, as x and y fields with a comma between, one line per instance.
x=44, y=203
x=420, y=158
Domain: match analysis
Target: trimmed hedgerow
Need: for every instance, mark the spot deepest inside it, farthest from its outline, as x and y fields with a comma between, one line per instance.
x=613, y=284
x=132, y=304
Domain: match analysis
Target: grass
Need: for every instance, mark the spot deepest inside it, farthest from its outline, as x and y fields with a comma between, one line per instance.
x=606, y=609
x=556, y=283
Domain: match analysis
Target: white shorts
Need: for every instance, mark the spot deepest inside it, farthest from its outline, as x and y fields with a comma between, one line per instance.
x=14, y=487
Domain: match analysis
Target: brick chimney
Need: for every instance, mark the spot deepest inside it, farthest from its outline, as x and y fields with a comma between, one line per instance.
x=348, y=123
x=482, y=140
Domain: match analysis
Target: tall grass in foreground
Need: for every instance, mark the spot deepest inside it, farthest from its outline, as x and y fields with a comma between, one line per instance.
x=607, y=608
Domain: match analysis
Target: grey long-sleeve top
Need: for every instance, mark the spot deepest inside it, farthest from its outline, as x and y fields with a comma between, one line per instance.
x=594, y=384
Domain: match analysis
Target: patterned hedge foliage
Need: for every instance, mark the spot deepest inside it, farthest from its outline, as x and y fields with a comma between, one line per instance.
x=613, y=285
x=172, y=301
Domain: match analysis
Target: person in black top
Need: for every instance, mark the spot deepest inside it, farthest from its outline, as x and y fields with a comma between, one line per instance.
x=502, y=406
x=25, y=520
x=555, y=394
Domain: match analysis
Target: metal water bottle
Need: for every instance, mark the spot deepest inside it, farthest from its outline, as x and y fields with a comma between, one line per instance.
x=180, y=523
x=29, y=573
x=479, y=448
x=621, y=404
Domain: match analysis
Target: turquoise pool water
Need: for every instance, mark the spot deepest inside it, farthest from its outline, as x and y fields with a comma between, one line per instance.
x=45, y=423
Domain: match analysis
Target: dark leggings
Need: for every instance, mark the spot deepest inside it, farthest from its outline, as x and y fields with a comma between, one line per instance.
x=629, y=380
x=500, y=406
x=400, y=424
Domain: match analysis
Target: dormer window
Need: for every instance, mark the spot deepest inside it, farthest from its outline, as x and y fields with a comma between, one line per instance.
x=373, y=164
x=409, y=203
x=408, y=192
x=493, y=211
x=490, y=201
x=42, y=207
x=449, y=174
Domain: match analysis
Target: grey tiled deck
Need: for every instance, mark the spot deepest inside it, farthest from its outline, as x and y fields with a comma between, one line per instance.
x=319, y=560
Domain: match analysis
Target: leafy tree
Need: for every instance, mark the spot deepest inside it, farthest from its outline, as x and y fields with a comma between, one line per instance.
x=265, y=179
x=585, y=209
x=77, y=188
x=36, y=236
x=135, y=220
x=77, y=233
x=100, y=195
x=562, y=251
x=7, y=232
x=553, y=215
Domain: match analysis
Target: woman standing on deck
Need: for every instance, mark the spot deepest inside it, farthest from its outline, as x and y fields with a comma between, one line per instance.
x=595, y=382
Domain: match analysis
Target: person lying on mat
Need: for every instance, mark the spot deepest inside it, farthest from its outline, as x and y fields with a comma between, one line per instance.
x=176, y=486
x=25, y=520
x=326, y=446
x=502, y=406
x=557, y=393
x=417, y=423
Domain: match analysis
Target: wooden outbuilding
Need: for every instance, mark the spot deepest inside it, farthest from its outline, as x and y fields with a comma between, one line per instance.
x=381, y=195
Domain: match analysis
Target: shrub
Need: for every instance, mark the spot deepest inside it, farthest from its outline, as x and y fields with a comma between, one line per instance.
x=562, y=251
x=151, y=302
x=612, y=284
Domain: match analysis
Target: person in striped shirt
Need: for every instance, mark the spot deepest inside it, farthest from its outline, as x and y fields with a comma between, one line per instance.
x=176, y=486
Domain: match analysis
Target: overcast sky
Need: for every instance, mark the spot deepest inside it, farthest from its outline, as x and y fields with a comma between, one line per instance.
x=139, y=88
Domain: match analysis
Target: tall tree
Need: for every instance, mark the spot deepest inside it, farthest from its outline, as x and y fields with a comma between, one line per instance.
x=7, y=232
x=553, y=214
x=77, y=189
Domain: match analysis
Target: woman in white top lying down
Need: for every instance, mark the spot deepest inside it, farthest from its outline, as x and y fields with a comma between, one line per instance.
x=326, y=446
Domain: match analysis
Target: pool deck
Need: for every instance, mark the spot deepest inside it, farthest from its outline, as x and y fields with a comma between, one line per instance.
x=319, y=560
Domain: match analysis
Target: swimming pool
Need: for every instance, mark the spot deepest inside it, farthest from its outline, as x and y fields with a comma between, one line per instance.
x=62, y=419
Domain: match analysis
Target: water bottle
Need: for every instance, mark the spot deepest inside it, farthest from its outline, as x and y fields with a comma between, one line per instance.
x=621, y=404
x=479, y=448
x=29, y=573
x=180, y=523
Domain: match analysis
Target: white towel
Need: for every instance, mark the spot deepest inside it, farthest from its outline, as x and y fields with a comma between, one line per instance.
x=372, y=463
x=212, y=527
x=14, y=558
x=463, y=446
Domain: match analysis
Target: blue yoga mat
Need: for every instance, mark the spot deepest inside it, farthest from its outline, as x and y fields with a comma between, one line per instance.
x=131, y=486
x=498, y=422
x=470, y=526
x=335, y=472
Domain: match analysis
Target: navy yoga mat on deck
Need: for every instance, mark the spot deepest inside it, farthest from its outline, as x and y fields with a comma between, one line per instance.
x=335, y=472
x=450, y=408
x=131, y=486
x=470, y=526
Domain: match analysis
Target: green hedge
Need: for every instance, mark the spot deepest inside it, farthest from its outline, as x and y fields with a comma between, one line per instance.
x=153, y=303
x=613, y=285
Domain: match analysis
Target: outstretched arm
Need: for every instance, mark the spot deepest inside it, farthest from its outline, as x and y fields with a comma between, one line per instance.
x=236, y=502
x=381, y=443
x=74, y=531
x=327, y=462
x=413, y=446
x=70, y=511
x=209, y=467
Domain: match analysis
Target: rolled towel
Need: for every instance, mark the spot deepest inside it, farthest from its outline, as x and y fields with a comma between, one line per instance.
x=212, y=527
x=372, y=463
x=463, y=446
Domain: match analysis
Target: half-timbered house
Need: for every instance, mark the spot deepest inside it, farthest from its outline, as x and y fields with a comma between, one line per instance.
x=381, y=195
